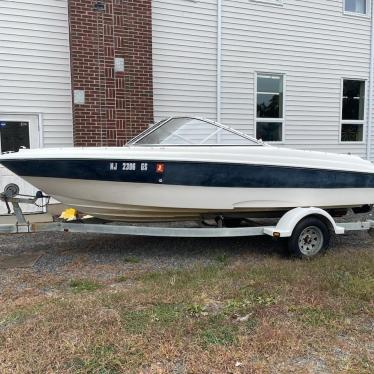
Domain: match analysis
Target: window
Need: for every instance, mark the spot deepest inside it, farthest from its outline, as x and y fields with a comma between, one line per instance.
x=270, y=107
x=353, y=111
x=356, y=6
x=13, y=136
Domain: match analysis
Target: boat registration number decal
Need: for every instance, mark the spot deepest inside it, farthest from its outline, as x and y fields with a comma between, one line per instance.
x=127, y=166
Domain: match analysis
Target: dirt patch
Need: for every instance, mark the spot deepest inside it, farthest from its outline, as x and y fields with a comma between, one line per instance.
x=19, y=261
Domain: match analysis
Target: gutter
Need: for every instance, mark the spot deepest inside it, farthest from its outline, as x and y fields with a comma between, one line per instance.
x=219, y=59
x=371, y=88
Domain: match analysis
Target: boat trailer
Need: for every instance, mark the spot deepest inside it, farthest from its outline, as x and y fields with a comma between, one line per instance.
x=305, y=228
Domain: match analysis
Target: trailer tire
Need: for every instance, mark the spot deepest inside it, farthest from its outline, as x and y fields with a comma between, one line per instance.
x=310, y=238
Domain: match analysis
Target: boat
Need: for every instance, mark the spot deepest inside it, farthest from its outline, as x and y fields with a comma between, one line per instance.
x=187, y=168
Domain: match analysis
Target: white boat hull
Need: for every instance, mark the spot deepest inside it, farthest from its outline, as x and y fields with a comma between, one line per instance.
x=160, y=183
x=139, y=202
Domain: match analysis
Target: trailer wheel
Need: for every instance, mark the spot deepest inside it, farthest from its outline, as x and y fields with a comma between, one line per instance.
x=310, y=237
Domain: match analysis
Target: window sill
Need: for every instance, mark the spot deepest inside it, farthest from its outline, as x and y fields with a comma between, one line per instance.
x=361, y=142
x=274, y=142
x=356, y=15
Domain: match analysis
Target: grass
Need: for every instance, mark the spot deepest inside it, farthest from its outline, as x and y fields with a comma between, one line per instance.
x=160, y=316
x=223, y=258
x=83, y=285
x=121, y=279
x=220, y=334
x=20, y=315
x=131, y=260
x=270, y=315
x=317, y=317
x=102, y=359
x=195, y=310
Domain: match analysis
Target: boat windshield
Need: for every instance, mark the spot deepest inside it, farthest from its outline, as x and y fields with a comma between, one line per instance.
x=192, y=131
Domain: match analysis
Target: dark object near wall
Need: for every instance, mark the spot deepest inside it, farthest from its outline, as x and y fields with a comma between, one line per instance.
x=99, y=6
x=363, y=209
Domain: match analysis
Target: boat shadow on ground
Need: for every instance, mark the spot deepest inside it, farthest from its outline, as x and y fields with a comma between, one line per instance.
x=150, y=253
x=186, y=247
x=112, y=246
x=60, y=249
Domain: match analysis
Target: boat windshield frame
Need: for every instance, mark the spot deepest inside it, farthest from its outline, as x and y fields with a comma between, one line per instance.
x=252, y=141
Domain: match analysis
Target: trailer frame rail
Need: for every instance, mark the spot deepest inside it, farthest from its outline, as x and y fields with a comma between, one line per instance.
x=284, y=228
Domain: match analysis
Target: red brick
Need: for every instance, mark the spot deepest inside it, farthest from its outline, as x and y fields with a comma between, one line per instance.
x=118, y=105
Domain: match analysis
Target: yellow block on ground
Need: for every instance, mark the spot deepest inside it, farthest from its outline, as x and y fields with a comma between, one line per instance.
x=69, y=214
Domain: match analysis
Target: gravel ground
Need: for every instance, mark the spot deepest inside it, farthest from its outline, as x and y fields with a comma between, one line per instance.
x=72, y=255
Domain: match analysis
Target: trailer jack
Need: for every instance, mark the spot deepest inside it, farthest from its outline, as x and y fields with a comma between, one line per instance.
x=12, y=197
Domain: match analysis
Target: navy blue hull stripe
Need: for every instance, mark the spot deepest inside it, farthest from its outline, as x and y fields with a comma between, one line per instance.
x=192, y=173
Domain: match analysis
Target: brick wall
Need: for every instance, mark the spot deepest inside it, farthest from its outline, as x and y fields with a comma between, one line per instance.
x=117, y=105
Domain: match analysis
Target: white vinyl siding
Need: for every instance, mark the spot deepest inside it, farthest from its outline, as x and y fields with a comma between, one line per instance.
x=35, y=66
x=184, y=57
x=271, y=2
x=35, y=79
x=314, y=44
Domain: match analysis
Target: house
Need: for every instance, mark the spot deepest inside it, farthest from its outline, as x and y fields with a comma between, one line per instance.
x=296, y=73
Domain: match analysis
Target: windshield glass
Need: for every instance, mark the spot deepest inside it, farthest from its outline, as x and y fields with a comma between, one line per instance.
x=192, y=131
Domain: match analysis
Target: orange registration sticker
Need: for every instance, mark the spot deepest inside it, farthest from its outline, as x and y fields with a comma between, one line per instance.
x=160, y=168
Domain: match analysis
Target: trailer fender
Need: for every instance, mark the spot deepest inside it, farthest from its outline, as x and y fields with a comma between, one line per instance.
x=288, y=222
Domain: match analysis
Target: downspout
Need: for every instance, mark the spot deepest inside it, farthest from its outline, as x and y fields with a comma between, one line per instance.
x=219, y=58
x=371, y=87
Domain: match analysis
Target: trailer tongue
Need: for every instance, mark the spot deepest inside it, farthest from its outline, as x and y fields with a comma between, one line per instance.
x=307, y=230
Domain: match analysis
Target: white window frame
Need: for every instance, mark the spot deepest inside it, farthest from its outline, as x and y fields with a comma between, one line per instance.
x=356, y=14
x=281, y=120
x=362, y=122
